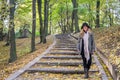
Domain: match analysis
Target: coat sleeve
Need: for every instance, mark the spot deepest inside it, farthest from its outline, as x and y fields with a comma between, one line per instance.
x=79, y=44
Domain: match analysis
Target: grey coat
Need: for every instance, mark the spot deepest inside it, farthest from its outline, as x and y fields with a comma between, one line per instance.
x=91, y=44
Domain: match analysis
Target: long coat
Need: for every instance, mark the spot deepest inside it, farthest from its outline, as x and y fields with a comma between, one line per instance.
x=91, y=43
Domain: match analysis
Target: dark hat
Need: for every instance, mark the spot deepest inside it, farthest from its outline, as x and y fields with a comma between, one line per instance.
x=85, y=24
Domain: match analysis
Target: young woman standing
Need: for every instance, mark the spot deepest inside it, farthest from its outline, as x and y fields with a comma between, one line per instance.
x=86, y=47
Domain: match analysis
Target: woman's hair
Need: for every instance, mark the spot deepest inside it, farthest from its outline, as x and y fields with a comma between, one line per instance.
x=85, y=24
x=82, y=31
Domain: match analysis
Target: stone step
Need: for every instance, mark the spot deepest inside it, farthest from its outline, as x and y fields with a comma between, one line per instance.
x=65, y=46
x=65, y=53
x=74, y=49
x=62, y=57
x=58, y=70
x=61, y=63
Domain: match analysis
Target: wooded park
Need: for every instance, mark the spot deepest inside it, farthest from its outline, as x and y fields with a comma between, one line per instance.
x=38, y=39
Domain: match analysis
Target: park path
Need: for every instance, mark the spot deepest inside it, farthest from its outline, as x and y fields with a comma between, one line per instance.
x=62, y=59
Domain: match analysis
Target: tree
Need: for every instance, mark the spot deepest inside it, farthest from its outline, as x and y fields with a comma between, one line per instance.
x=1, y=33
x=62, y=22
x=50, y=19
x=40, y=19
x=33, y=25
x=90, y=16
x=108, y=12
x=98, y=13
x=67, y=16
x=3, y=14
x=13, y=55
x=75, y=15
x=46, y=2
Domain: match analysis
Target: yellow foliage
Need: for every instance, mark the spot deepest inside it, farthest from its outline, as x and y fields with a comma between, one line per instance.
x=23, y=58
x=108, y=41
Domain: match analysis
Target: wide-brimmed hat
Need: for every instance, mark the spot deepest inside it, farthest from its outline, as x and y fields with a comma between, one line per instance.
x=85, y=24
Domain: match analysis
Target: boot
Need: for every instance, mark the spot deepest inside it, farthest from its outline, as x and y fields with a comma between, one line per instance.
x=86, y=73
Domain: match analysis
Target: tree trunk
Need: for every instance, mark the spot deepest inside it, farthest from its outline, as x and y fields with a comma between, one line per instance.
x=4, y=14
x=105, y=16
x=40, y=19
x=90, y=15
x=1, y=34
x=33, y=25
x=98, y=13
x=64, y=26
x=13, y=55
x=110, y=18
x=75, y=9
x=47, y=14
x=61, y=23
x=2, y=17
x=67, y=15
x=50, y=21
x=8, y=39
x=71, y=28
x=45, y=21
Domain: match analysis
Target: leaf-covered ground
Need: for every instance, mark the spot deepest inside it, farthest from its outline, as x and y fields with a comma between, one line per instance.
x=23, y=53
x=108, y=41
x=52, y=76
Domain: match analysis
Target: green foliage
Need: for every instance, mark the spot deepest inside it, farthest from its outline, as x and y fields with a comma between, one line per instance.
x=23, y=13
x=37, y=33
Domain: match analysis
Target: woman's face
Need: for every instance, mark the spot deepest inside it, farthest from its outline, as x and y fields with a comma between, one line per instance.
x=85, y=28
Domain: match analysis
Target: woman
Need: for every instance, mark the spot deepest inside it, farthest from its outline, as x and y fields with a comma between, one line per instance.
x=86, y=47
